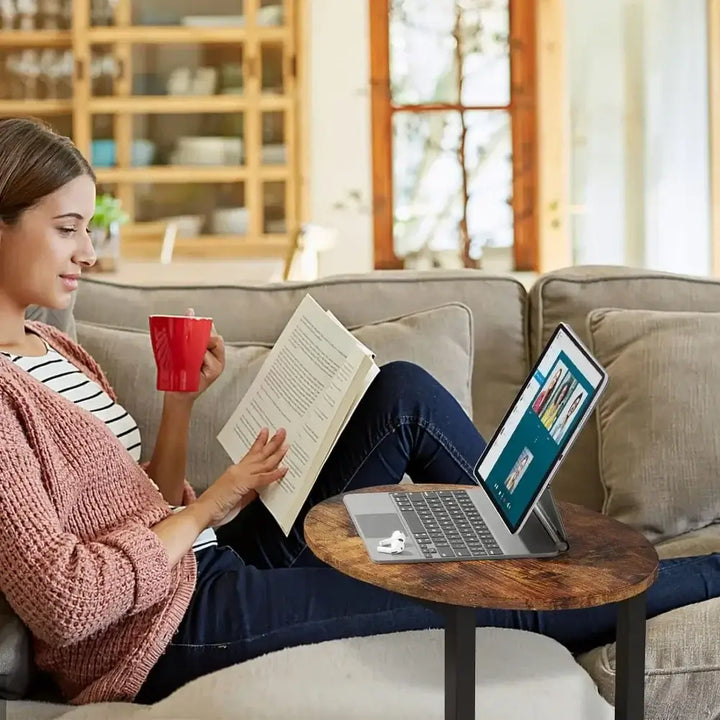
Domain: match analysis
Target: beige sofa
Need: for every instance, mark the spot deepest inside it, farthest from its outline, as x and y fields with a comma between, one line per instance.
x=508, y=327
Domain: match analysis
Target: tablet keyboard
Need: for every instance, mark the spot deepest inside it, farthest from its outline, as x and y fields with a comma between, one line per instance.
x=446, y=524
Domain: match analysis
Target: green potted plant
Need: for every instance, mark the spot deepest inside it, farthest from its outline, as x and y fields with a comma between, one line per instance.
x=105, y=231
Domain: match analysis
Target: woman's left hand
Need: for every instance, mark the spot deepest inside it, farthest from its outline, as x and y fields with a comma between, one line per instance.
x=212, y=366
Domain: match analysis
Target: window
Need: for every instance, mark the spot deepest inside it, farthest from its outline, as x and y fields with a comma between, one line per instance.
x=454, y=132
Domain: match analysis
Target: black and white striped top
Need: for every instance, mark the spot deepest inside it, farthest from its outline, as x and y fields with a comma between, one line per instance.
x=60, y=375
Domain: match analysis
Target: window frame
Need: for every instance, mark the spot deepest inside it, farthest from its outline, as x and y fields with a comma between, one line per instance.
x=523, y=117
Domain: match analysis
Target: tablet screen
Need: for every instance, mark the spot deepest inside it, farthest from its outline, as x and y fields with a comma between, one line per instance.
x=555, y=401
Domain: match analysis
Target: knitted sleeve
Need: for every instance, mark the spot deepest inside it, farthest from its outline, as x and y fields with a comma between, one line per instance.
x=64, y=588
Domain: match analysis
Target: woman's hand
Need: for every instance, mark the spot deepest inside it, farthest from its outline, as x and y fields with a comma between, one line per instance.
x=240, y=483
x=212, y=366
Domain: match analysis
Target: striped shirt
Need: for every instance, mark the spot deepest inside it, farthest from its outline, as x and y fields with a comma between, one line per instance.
x=60, y=375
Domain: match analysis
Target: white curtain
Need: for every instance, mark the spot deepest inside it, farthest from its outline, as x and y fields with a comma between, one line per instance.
x=639, y=180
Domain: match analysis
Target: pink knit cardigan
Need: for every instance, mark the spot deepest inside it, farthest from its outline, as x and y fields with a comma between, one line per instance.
x=78, y=562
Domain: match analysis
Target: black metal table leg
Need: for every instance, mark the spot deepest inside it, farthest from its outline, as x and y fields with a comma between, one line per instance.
x=459, y=663
x=630, y=659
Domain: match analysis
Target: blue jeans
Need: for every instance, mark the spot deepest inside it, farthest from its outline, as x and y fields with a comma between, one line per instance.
x=260, y=591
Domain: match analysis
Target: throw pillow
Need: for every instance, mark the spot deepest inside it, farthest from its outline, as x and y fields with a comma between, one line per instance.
x=439, y=339
x=659, y=449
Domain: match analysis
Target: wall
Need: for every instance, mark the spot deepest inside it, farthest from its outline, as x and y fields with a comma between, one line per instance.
x=639, y=185
x=339, y=151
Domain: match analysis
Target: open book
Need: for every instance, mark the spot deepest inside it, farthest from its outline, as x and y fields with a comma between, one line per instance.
x=310, y=384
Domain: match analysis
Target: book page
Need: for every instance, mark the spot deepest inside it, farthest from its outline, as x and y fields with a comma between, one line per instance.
x=364, y=383
x=300, y=387
x=363, y=347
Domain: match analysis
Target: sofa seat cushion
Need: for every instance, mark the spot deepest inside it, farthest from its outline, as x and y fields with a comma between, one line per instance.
x=704, y=541
x=682, y=664
x=439, y=339
x=659, y=449
x=383, y=677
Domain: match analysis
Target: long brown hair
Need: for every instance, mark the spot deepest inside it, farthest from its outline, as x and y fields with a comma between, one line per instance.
x=34, y=162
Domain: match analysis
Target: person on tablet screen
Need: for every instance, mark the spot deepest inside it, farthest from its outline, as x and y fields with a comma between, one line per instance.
x=517, y=472
x=545, y=394
x=561, y=425
x=554, y=406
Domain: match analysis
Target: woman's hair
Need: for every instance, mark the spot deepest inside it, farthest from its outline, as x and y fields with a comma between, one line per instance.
x=34, y=162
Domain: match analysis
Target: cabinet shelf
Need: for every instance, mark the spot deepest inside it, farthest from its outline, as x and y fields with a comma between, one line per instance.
x=36, y=38
x=160, y=35
x=187, y=174
x=35, y=107
x=186, y=104
x=228, y=246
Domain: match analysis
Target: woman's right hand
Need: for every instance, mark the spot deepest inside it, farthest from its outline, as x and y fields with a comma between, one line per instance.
x=240, y=483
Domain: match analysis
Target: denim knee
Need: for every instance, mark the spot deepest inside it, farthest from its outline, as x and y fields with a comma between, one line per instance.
x=402, y=375
x=405, y=389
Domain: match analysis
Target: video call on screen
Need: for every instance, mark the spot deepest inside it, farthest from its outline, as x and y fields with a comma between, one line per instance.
x=534, y=434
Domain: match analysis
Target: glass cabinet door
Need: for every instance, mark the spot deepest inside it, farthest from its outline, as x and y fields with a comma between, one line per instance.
x=36, y=61
x=192, y=112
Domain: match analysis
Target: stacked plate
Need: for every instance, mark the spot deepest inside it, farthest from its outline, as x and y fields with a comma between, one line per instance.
x=273, y=155
x=230, y=221
x=214, y=20
x=208, y=151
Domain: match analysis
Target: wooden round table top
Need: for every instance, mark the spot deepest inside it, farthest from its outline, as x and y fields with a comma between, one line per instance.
x=607, y=562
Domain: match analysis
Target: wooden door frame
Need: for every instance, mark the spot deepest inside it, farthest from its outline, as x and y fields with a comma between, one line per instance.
x=523, y=110
x=713, y=10
x=381, y=124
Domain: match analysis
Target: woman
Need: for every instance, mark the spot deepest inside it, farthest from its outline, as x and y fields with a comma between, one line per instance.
x=551, y=411
x=561, y=425
x=543, y=395
x=128, y=600
x=516, y=474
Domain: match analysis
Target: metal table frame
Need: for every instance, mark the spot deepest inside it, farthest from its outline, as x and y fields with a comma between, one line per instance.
x=460, y=659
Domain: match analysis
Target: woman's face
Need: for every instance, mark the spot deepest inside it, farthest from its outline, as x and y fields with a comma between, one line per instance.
x=41, y=256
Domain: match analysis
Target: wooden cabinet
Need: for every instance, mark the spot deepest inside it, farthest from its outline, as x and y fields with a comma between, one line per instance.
x=187, y=110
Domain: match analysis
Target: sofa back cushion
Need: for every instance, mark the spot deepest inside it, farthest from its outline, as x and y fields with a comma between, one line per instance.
x=659, y=447
x=439, y=339
x=258, y=313
x=568, y=296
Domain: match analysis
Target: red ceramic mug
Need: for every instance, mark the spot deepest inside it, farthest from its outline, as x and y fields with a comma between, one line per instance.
x=179, y=343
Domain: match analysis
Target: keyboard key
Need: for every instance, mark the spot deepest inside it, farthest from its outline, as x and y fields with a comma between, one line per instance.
x=413, y=522
x=445, y=551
